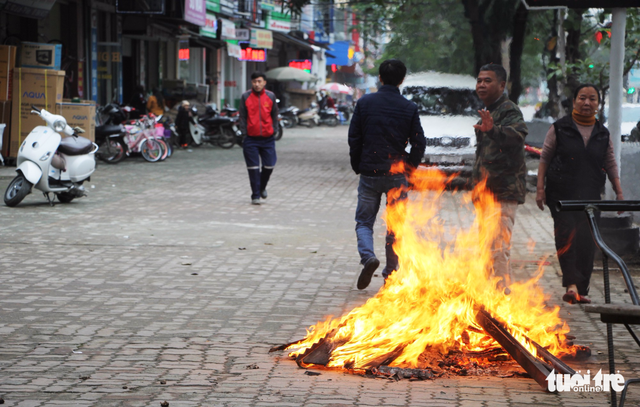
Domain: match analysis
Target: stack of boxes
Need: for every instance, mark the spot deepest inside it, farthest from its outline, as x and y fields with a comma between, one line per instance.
x=37, y=82
x=7, y=63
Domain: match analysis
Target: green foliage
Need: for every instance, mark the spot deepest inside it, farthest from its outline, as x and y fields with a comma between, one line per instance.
x=430, y=35
x=594, y=68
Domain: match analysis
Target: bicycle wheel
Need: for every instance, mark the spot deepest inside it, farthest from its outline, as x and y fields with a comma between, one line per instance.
x=151, y=150
x=165, y=149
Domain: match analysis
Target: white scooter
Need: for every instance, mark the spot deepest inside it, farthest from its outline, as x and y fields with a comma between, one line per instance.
x=51, y=163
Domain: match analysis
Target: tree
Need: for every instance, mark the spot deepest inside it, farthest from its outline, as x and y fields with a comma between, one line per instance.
x=588, y=58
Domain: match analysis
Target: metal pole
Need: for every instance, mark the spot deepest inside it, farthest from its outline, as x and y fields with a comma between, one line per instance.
x=616, y=62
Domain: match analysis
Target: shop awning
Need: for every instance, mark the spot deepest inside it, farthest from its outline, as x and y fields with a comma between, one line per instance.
x=33, y=9
x=282, y=37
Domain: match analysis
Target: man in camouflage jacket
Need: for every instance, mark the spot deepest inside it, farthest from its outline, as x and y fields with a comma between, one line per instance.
x=500, y=138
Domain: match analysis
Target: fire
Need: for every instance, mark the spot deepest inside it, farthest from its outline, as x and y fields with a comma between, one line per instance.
x=443, y=279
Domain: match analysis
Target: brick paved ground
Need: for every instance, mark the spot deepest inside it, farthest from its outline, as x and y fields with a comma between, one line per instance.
x=165, y=284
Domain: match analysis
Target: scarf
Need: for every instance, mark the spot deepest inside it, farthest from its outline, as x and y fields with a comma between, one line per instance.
x=582, y=119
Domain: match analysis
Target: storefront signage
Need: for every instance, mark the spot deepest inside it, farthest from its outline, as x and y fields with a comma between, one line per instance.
x=253, y=55
x=109, y=56
x=233, y=50
x=183, y=54
x=227, y=7
x=213, y=5
x=243, y=34
x=228, y=29
x=211, y=26
x=279, y=25
x=271, y=4
x=261, y=38
x=31, y=9
x=304, y=64
x=195, y=12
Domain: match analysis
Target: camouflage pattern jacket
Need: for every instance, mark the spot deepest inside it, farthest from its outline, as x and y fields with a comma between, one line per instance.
x=500, y=152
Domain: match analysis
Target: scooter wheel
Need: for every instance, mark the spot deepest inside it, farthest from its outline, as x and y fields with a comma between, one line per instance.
x=112, y=152
x=287, y=123
x=17, y=190
x=226, y=138
x=332, y=121
x=65, y=197
x=279, y=133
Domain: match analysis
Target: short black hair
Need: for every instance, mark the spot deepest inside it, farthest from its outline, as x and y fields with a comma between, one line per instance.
x=392, y=72
x=258, y=74
x=586, y=85
x=501, y=73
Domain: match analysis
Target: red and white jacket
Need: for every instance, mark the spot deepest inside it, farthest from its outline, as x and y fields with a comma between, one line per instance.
x=258, y=114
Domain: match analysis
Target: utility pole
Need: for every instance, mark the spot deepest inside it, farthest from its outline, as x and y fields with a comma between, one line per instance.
x=616, y=66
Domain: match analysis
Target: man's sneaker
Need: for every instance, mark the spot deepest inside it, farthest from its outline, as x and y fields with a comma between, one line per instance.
x=369, y=268
x=255, y=201
x=263, y=194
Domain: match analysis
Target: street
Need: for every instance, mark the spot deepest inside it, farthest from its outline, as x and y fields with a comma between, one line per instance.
x=165, y=284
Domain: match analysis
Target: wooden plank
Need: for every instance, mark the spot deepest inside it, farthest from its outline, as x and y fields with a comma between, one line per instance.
x=618, y=309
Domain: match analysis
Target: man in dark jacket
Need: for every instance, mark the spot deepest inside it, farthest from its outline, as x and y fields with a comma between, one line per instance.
x=500, y=138
x=259, y=122
x=382, y=125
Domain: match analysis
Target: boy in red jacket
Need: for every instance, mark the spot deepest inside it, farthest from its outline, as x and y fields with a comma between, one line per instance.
x=259, y=121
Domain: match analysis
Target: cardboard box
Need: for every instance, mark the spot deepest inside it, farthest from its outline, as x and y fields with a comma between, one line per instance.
x=81, y=115
x=7, y=59
x=40, y=55
x=7, y=63
x=6, y=86
x=32, y=87
x=5, y=117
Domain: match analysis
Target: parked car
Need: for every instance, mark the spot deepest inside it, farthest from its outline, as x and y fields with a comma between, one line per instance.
x=448, y=107
x=630, y=119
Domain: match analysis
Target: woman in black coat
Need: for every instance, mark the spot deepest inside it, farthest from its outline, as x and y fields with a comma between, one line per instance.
x=576, y=159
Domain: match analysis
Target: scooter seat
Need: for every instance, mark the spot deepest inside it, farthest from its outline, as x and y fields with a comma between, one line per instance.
x=107, y=130
x=75, y=146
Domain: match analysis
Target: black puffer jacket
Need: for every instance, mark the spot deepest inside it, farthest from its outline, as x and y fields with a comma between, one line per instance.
x=382, y=125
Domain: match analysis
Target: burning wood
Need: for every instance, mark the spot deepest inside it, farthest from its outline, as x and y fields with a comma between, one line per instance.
x=438, y=314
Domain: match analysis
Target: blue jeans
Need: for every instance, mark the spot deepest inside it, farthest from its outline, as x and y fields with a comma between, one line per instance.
x=370, y=192
x=258, y=149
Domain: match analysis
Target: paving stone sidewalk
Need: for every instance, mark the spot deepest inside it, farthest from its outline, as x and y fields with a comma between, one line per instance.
x=166, y=284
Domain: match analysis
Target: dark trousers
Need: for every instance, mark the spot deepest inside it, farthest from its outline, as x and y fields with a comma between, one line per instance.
x=575, y=246
x=259, y=150
x=185, y=136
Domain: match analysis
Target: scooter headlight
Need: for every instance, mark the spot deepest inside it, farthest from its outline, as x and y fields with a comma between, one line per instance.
x=59, y=125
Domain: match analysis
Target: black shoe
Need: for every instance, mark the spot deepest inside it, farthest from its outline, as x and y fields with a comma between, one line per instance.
x=263, y=194
x=369, y=268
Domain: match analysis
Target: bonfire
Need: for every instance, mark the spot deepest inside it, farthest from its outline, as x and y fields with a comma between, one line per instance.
x=425, y=317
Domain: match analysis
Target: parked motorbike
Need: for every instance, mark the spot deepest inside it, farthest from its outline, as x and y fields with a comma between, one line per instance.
x=346, y=109
x=110, y=134
x=51, y=163
x=110, y=138
x=219, y=130
x=278, y=134
x=289, y=116
x=329, y=116
x=309, y=117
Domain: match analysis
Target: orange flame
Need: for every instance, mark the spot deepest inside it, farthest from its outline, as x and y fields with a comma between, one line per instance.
x=432, y=300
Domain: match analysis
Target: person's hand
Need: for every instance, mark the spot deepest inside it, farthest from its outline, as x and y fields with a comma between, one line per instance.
x=540, y=198
x=487, y=121
x=620, y=197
